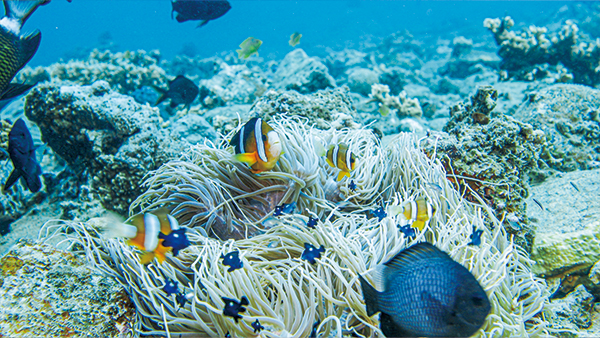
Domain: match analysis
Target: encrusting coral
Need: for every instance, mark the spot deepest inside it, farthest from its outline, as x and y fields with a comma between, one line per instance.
x=287, y=295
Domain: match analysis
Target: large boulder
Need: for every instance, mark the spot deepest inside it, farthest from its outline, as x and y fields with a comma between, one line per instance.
x=304, y=74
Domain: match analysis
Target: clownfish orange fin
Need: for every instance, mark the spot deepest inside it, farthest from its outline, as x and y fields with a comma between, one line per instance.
x=330, y=163
x=146, y=257
x=342, y=174
x=248, y=158
x=418, y=225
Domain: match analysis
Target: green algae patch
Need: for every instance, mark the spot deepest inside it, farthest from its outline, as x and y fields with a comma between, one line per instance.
x=557, y=254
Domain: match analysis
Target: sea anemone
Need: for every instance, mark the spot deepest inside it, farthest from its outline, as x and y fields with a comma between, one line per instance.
x=288, y=295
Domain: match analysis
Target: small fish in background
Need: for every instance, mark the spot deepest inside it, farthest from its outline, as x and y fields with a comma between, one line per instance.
x=181, y=91
x=475, y=236
x=285, y=208
x=248, y=47
x=384, y=110
x=417, y=212
x=338, y=156
x=413, y=304
x=181, y=299
x=144, y=232
x=295, y=39
x=311, y=253
x=257, y=145
x=204, y=10
x=257, y=327
x=170, y=287
x=379, y=213
x=352, y=185
x=312, y=222
x=227, y=335
x=408, y=231
x=313, y=332
x=17, y=50
x=232, y=260
x=233, y=307
x=22, y=154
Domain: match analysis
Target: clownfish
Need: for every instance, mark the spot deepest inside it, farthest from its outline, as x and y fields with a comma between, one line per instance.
x=257, y=145
x=155, y=233
x=339, y=156
x=417, y=212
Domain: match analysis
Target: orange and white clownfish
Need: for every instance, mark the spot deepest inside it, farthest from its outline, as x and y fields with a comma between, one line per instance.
x=339, y=156
x=257, y=145
x=155, y=233
x=417, y=212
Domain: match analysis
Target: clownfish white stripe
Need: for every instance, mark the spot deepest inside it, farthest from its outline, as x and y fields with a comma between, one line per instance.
x=173, y=222
x=152, y=225
x=348, y=155
x=334, y=156
x=241, y=145
x=413, y=210
x=429, y=211
x=260, y=145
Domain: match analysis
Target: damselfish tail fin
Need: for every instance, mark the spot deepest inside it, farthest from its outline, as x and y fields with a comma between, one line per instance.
x=21, y=10
x=370, y=295
x=29, y=45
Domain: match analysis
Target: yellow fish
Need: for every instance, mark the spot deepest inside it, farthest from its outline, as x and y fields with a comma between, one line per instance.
x=295, y=39
x=249, y=47
x=339, y=156
x=257, y=145
x=417, y=212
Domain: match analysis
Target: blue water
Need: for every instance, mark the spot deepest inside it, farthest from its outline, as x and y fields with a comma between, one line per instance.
x=70, y=29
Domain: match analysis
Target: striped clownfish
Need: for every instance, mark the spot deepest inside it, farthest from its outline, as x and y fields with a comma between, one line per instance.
x=155, y=233
x=417, y=212
x=257, y=145
x=339, y=156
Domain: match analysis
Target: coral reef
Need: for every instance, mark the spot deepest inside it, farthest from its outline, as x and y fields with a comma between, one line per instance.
x=304, y=74
x=521, y=52
x=236, y=84
x=360, y=80
x=489, y=158
x=402, y=105
x=325, y=108
x=465, y=61
x=124, y=71
x=569, y=116
x=48, y=292
x=286, y=294
x=116, y=139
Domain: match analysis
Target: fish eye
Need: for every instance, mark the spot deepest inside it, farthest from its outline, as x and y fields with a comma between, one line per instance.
x=352, y=159
x=264, y=138
x=231, y=257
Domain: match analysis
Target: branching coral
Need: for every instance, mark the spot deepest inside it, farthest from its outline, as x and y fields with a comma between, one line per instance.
x=287, y=294
x=403, y=105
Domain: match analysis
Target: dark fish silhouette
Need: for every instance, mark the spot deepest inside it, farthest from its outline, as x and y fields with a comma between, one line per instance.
x=233, y=307
x=379, y=213
x=176, y=240
x=311, y=253
x=285, y=208
x=22, y=155
x=232, y=260
x=257, y=327
x=170, y=287
x=426, y=294
x=312, y=222
x=16, y=50
x=475, y=236
x=181, y=91
x=204, y=10
x=408, y=231
x=181, y=300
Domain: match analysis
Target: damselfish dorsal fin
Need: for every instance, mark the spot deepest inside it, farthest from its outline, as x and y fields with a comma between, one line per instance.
x=417, y=252
x=28, y=46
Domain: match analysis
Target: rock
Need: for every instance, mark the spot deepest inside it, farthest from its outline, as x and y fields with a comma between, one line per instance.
x=560, y=253
x=304, y=74
x=116, y=139
x=465, y=65
x=325, y=108
x=573, y=312
x=193, y=128
x=569, y=115
x=46, y=292
x=395, y=78
x=361, y=79
x=235, y=84
x=225, y=119
x=339, y=62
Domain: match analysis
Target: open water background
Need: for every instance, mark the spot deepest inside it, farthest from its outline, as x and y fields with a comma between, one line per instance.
x=73, y=29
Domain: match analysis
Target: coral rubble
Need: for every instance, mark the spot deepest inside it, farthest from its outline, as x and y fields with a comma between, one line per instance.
x=48, y=292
